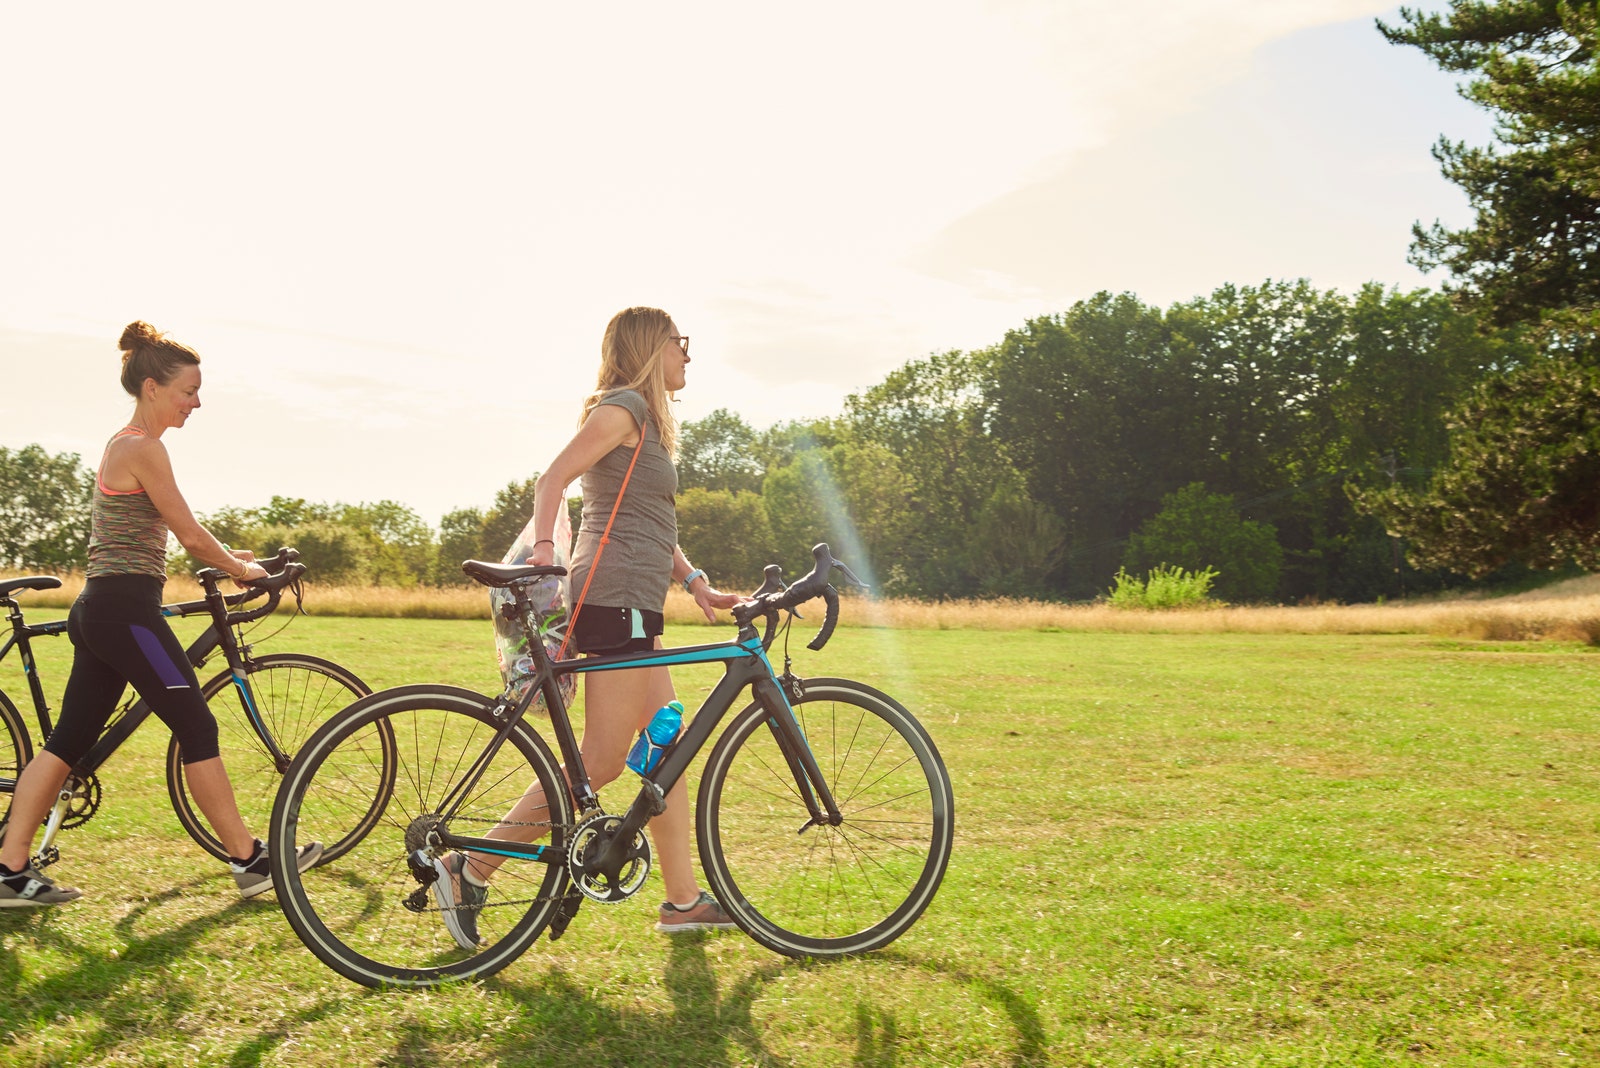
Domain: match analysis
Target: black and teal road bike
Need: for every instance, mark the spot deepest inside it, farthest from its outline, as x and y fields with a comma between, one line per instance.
x=824, y=816
x=266, y=707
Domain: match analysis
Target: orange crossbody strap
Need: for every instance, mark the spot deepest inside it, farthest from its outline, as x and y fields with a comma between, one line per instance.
x=605, y=539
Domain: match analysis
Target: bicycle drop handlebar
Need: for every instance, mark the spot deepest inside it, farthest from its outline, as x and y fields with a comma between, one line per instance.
x=773, y=597
x=283, y=569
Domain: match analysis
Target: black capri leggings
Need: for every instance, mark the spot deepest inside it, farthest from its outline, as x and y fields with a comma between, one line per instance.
x=119, y=636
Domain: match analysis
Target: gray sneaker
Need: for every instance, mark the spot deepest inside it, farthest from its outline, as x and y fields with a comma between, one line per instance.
x=256, y=877
x=459, y=898
x=704, y=915
x=29, y=889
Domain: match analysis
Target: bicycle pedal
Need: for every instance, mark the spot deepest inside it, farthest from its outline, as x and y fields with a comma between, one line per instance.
x=46, y=857
x=564, y=913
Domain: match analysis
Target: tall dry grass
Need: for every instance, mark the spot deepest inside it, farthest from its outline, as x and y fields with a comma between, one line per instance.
x=1565, y=611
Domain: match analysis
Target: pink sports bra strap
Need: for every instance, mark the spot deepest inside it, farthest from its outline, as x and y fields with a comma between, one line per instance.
x=99, y=480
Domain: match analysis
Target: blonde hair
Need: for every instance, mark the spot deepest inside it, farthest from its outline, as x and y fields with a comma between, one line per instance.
x=148, y=353
x=628, y=361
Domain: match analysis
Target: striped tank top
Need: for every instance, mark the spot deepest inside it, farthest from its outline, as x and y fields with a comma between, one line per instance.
x=127, y=535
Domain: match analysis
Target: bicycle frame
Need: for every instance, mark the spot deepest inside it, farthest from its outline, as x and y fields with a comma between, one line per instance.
x=136, y=711
x=747, y=665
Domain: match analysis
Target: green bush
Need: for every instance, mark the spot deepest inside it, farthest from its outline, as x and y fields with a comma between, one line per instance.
x=1197, y=528
x=1163, y=587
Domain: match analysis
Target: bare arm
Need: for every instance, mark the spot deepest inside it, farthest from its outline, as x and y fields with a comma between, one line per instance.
x=707, y=596
x=607, y=427
x=147, y=460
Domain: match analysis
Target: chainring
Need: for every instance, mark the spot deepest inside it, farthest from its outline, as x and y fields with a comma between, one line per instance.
x=589, y=840
x=84, y=803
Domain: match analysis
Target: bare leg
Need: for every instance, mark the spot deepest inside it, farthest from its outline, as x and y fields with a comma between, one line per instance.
x=669, y=832
x=37, y=789
x=211, y=790
x=617, y=705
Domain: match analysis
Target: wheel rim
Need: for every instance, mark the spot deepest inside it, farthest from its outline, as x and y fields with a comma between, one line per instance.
x=354, y=912
x=830, y=889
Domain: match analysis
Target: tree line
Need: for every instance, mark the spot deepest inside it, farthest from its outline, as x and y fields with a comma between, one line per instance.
x=1223, y=432
x=1235, y=431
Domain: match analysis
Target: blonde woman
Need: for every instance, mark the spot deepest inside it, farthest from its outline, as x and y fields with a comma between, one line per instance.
x=119, y=635
x=643, y=361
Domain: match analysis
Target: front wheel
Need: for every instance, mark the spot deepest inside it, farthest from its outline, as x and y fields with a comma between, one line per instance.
x=806, y=890
x=292, y=695
x=16, y=749
x=372, y=915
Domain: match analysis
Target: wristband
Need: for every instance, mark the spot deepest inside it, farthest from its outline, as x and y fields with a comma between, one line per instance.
x=688, y=579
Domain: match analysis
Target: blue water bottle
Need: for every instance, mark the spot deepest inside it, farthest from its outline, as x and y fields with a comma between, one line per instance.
x=662, y=730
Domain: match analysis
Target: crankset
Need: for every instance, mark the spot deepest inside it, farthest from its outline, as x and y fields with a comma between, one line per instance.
x=590, y=841
x=82, y=800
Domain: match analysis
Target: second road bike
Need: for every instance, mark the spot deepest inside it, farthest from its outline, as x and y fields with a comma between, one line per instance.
x=825, y=816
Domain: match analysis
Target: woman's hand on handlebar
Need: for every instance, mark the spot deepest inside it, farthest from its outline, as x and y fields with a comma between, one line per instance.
x=711, y=599
x=253, y=572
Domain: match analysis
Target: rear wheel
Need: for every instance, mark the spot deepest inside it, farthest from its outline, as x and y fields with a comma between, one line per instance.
x=293, y=694
x=372, y=915
x=822, y=891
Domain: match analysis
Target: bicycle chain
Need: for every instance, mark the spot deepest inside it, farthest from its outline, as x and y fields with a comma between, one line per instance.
x=519, y=901
x=499, y=904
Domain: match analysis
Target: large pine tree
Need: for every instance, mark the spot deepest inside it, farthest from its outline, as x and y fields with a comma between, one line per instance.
x=1523, y=479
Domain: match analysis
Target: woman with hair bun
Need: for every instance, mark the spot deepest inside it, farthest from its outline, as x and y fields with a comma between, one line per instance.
x=643, y=363
x=119, y=635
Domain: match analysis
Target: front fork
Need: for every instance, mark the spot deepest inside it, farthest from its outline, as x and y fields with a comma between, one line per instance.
x=808, y=778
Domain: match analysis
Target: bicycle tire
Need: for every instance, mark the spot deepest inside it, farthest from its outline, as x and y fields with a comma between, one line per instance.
x=295, y=695
x=16, y=749
x=352, y=914
x=827, y=891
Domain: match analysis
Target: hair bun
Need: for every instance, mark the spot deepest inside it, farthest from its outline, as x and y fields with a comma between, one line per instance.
x=138, y=333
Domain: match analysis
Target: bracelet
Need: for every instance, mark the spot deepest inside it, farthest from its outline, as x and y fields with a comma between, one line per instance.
x=689, y=579
x=544, y=541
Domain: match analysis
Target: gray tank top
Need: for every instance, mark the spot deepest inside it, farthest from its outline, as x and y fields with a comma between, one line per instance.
x=636, y=567
x=127, y=535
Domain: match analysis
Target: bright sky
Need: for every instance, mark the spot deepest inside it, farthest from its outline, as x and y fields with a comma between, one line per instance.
x=395, y=231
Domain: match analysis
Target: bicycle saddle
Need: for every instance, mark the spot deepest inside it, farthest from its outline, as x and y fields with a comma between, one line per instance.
x=32, y=582
x=501, y=575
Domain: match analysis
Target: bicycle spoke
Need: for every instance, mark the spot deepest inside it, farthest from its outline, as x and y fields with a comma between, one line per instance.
x=292, y=694
x=368, y=915
x=827, y=889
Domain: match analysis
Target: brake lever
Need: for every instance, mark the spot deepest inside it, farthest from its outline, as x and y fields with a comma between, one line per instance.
x=850, y=576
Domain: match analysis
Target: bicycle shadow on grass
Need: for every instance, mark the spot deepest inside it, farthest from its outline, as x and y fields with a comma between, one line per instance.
x=710, y=1026
x=113, y=993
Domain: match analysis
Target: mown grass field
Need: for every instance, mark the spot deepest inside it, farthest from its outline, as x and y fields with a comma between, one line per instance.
x=1172, y=849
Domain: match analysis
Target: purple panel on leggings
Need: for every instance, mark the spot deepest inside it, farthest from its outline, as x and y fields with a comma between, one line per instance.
x=156, y=654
